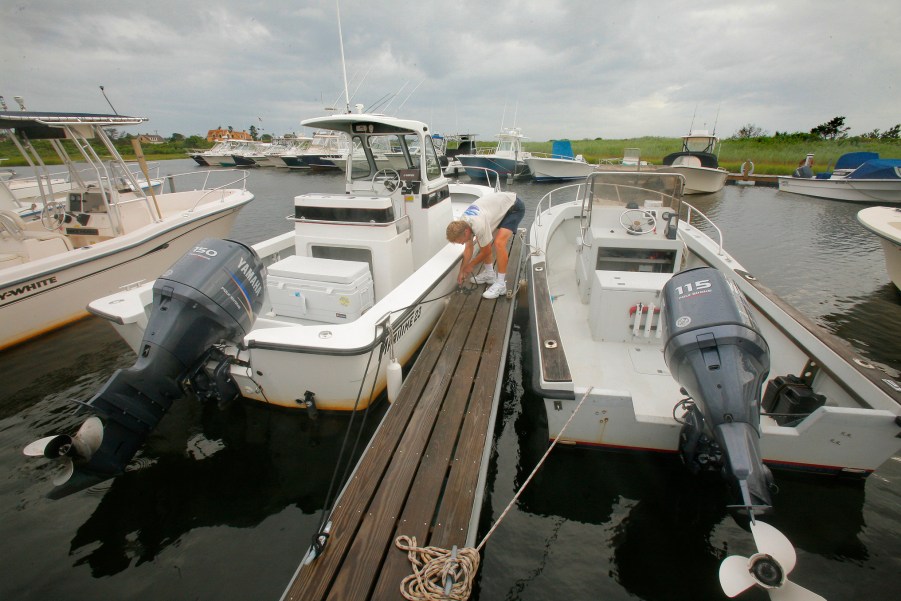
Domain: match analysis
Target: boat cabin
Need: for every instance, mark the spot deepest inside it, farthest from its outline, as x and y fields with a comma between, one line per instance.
x=386, y=224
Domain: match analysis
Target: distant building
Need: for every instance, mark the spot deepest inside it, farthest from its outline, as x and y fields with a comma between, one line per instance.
x=216, y=135
x=151, y=139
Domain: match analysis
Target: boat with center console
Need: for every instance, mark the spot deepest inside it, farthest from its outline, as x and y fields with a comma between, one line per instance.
x=647, y=336
x=320, y=318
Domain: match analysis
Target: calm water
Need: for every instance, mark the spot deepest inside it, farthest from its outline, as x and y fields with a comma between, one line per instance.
x=222, y=503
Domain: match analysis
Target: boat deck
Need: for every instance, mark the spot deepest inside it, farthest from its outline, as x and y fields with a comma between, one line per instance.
x=423, y=471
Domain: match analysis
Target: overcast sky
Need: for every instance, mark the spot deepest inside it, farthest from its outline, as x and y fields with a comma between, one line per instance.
x=556, y=69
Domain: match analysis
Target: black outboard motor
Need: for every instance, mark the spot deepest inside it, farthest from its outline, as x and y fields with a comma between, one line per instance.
x=716, y=353
x=212, y=294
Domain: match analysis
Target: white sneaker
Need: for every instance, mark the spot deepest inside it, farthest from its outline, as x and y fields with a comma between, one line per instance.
x=495, y=290
x=484, y=277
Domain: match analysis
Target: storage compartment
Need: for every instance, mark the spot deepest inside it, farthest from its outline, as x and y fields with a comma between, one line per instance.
x=790, y=400
x=317, y=289
x=618, y=298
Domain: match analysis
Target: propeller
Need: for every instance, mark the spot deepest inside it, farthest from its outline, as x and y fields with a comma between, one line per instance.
x=69, y=449
x=769, y=568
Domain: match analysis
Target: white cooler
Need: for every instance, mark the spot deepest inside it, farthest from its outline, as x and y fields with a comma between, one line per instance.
x=324, y=290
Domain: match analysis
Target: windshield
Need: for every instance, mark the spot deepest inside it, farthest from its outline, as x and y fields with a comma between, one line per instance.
x=623, y=188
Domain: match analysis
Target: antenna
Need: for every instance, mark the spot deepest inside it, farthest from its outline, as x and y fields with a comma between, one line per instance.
x=108, y=102
x=408, y=95
x=343, y=65
x=692, y=126
x=717, y=119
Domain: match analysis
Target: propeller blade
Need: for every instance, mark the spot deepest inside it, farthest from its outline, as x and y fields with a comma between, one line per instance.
x=735, y=577
x=68, y=470
x=36, y=448
x=793, y=592
x=775, y=544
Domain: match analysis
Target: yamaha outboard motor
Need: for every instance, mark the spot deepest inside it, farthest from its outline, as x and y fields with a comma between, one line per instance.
x=716, y=353
x=212, y=294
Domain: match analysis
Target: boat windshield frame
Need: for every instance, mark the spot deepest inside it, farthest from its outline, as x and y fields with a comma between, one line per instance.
x=620, y=188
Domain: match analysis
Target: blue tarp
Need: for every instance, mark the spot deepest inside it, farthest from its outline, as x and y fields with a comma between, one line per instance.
x=562, y=149
x=852, y=160
x=878, y=169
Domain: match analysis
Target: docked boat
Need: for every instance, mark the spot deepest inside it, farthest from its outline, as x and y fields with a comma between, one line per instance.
x=508, y=159
x=105, y=233
x=320, y=318
x=561, y=165
x=885, y=223
x=326, y=151
x=856, y=177
x=646, y=335
x=697, y=163
x=283, y=147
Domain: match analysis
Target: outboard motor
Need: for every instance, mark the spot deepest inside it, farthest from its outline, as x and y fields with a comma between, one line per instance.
x=212, y=294
x=716, y=353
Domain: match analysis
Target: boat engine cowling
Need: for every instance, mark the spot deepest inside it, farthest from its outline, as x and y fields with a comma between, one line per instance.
x=211, y=295
x=716, y=353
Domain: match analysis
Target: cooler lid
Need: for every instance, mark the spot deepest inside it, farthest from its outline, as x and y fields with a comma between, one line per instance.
x=320, y=270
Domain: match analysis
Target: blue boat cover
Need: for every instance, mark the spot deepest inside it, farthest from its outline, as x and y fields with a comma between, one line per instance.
x=562, y=149
x=878, y=169
x=852, y=160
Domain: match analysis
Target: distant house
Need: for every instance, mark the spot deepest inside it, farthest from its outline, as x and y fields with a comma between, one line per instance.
x=151, y=139
x=216, y=135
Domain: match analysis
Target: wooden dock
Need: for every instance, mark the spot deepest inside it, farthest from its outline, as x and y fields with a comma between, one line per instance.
x=423, y=472
x=739, y=179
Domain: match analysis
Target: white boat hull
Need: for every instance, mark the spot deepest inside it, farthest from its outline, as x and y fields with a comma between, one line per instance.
x=45, y=294
x=882, y=191
x=885, y=223
x=699, y=180
x=548, y=169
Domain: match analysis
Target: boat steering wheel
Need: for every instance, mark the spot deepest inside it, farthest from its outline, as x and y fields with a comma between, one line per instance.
x=638, y=222
x=388, y=178
x=53, y=215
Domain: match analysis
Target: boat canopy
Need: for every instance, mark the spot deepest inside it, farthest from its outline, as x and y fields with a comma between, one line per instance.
x=43, y=125
x=562, y=149
x=362, y=123
x=852, y=160
x=878, y=169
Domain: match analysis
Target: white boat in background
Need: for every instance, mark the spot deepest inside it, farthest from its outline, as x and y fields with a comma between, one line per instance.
x=857, y=177
x=508, y=159
x=322, y=317
x=561, y=165
x=326, y=151
x=281, y=147
x=885, y=223
x=104, y=234
x=697, y=163
x=646, y=335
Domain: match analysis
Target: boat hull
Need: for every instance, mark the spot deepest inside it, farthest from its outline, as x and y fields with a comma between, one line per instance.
x=47, y=294
x=548, y=170
x=885, y=223
x=476, y=165
x=699, y=180
x=882, y=191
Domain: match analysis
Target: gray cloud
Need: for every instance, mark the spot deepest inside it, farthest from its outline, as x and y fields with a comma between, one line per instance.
x=579, y=69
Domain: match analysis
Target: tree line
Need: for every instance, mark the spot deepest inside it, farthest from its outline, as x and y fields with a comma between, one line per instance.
x=834, y=129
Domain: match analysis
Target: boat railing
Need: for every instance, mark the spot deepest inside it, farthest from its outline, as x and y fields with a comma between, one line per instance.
x=235, y=179
x=488, y=173
x=571, y=192
x=548, y=155
x=691, y=211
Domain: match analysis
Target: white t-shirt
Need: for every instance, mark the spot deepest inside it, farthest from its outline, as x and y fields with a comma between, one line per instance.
x=485, y=214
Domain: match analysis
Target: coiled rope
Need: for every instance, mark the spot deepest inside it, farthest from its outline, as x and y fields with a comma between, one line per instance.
x=442, y=575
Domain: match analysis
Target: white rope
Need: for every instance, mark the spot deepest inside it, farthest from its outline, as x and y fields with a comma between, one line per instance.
x=432, y=565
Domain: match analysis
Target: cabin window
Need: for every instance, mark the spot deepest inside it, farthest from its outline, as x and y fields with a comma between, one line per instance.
x=647, y=260
x=432, y=167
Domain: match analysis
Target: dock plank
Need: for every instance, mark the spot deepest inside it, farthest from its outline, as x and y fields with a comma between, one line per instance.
x=553, y=360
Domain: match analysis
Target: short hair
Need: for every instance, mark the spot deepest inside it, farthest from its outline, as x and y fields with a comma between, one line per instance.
x=455, y=230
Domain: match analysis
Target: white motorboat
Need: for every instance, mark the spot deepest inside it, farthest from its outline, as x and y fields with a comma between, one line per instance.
x=508, y=159
x=105, y=234
x=885, y=223
x=561, y=165
x=320, y=318
x=281, y=147
x=646, y=335
x=609, y=283
x=697, y=163
x=857, y=177
x=325, y=152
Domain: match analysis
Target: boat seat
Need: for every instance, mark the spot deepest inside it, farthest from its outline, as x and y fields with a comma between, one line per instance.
x=19, y=230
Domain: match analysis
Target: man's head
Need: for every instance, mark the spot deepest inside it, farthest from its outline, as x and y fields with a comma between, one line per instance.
x=458, y=232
